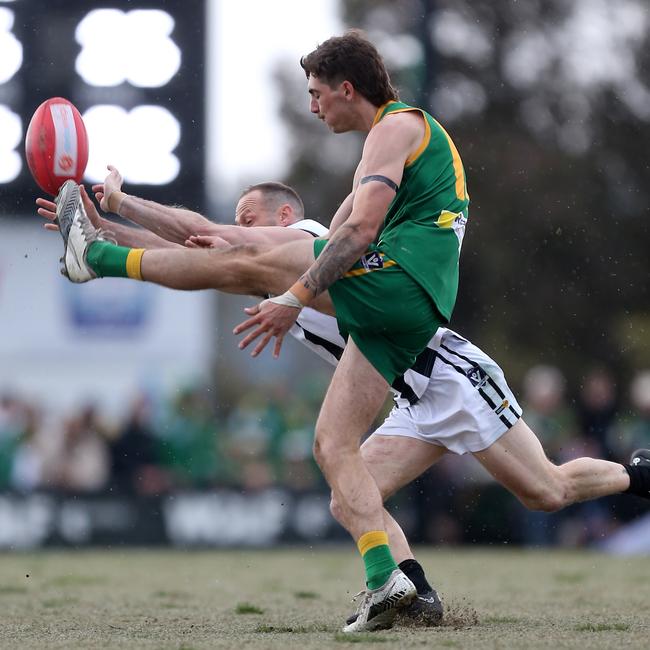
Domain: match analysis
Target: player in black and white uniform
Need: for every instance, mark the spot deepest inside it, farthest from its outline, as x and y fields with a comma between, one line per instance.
x=455, y=395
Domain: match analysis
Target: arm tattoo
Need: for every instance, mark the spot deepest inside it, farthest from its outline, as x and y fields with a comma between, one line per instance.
x=381, y=179
x=339, y=255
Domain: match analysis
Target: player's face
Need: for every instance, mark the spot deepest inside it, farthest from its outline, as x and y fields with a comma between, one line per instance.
x=329, y=104
x=253, y=211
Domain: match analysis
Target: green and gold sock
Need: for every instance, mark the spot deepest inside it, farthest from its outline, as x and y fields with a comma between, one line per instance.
x=377, y=557
x=108, y=260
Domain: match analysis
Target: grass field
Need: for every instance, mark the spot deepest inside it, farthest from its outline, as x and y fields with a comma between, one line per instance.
x=298, y=598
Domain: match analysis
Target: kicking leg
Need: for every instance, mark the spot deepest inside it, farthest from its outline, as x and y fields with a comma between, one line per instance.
x=246, y=269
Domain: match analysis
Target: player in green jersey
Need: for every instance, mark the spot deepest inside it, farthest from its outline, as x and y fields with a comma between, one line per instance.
x=408, y=200
x=409, y=196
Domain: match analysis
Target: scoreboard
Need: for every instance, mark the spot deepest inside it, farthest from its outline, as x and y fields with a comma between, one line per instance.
x=133, y=68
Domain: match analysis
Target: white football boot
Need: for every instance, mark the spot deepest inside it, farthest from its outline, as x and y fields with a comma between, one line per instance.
x=379, y=607
x=77, y=232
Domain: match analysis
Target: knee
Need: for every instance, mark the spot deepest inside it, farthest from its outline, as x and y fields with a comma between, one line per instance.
x=545, y=498
x=321, y=450
x=326, y=448
x=335, y=508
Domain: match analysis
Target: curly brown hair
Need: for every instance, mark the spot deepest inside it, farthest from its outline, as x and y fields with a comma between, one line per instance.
x=353, y=58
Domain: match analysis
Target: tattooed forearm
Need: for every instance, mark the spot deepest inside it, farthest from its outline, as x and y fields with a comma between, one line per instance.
x=344, y=248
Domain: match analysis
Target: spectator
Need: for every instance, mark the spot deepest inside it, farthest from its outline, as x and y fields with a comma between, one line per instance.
x=83, y=461
x=190, y=447
x=135, y=464
x=633, y=430
x=254, y=427
x=297, y=468
x=546, y=412
x=30, y=459
x=597, y=409
x=11, y=423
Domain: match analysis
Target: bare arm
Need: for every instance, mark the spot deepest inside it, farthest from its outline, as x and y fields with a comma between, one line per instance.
x=344, y=211
x=259, y=235
x=386, y=150
x=174, y=224
x=124, y=235
x=180, y=225
x=350, y=240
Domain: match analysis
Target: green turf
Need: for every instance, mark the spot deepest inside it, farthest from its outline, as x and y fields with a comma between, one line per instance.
x=298, y=598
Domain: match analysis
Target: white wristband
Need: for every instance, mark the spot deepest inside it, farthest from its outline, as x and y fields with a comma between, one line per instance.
x=288, y=299
x=115, y=197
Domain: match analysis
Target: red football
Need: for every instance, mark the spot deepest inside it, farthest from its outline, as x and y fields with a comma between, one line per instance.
x=56, y=144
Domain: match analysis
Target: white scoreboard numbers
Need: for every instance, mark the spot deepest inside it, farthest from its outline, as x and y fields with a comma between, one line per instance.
x=147, y=55
x=11, y=126
x=141, y=94
x=140, y=142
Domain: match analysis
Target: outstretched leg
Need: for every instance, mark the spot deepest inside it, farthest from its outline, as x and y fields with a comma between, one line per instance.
x=517, y=460
x=247, y=269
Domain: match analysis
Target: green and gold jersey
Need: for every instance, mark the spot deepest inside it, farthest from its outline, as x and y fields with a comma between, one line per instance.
x=424, y=225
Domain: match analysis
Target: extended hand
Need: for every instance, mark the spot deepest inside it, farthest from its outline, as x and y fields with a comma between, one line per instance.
x=271, y=319
x=206, y=241
x=47, y=210
x=112, y=183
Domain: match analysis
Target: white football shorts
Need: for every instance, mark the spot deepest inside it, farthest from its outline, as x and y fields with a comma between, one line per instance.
x=467, y=404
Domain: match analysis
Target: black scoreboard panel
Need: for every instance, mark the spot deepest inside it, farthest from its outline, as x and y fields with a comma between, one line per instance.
x=134, y=69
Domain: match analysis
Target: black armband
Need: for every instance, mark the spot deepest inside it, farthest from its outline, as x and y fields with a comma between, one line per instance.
x=382, y=179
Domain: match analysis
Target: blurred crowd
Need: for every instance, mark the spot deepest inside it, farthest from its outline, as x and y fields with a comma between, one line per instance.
x=264, y=439
x=159, y=445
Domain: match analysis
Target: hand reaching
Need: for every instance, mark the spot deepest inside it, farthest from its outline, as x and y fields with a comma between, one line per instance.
x=271, y=319
x=206, y=241
x=47, y=210
x=112, y=183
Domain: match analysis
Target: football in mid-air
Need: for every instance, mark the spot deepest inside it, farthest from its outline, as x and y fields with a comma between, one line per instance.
x=56, y=144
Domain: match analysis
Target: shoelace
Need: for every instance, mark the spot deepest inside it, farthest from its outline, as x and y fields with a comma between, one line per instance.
x=89, y=231
x=107, y=235
x=92, y=234
x=365, y=595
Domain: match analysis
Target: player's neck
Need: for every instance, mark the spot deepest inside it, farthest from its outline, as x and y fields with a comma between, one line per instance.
x=367, y=113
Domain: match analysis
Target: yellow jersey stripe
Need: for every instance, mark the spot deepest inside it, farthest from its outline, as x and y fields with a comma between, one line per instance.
x=380, y=110
x=423, y=145
x=427, y=129
x=353, y=272
x=461, y=188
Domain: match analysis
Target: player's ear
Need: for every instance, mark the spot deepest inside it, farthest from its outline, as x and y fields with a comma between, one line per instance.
x=348, y=90
x=286, y=215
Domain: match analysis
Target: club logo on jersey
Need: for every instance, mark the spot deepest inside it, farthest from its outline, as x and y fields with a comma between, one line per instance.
x=372, y=261
x=477, y=377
